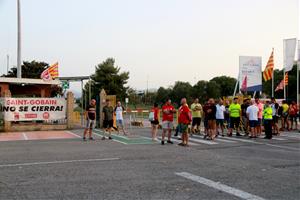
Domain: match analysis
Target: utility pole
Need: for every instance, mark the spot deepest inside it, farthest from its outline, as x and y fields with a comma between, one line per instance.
x=7, y=64
x=19, y=68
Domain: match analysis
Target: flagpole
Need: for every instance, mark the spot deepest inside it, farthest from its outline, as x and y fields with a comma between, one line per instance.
x=284, y=94
x=273, y=74
x=19, y=67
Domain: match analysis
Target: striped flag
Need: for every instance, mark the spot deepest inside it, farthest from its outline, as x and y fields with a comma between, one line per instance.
x=283, y=82
x=50, y=73
x=244, y=85
x=268, y=73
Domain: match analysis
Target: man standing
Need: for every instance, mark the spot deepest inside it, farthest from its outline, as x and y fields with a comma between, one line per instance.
x=260, y=107
x=267, y=114
x=107, y=116
x=244, y=107
x=196, y=115
x=90, y=116
x=167, y=121
x=119, y=109
x=275, y=108
x=252, y=114
x=220, y=110
x=235, y=115
x=184, y=120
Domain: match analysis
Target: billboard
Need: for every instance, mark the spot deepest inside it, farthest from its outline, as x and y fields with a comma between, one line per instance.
x=29, y=109
x=250, y=75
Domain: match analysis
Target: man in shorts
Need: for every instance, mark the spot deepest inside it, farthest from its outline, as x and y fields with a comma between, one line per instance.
x=220, y=110
x=119, y=109
x=275, y=108
x=235, y=115
x=108, y=122
x=244, y=107
x=167, y=121
x=196, y=115
x=184, y=119
x=260, y=107
x=90, y=116
x=252, y=115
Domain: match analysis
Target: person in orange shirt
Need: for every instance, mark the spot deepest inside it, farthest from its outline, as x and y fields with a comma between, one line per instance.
x=184, y=119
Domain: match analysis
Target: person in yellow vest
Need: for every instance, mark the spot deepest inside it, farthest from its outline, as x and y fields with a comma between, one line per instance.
x=267, y=115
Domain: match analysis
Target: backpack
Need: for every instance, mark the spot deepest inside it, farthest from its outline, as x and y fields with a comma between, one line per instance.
x=151, y=116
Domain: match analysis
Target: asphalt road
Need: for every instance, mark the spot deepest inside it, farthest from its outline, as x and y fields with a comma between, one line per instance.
x=73, y=169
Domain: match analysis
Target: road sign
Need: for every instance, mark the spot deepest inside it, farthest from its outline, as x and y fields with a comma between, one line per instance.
x=65, y=85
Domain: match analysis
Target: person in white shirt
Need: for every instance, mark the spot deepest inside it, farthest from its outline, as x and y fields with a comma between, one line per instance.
x=119, y=109
x=220, y=116
x=252, y=115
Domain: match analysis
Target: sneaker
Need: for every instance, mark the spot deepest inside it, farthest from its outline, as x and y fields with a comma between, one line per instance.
x=162, y=142
x=238, y=134
x=170, y=142
x=84, y=139
x=91, y=138
x=103, y=138
x=110, y=138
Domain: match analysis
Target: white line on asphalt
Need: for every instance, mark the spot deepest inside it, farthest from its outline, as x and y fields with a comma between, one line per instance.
x=112, y=139
x=243, y=140
x=279, y=139
x=73, y=134
x=202, y=141
x=284, y=147
x=219, y=186
x=58, y=162
x=25, y=136
x=179, y=141
x=224, y=140
x=290, y=136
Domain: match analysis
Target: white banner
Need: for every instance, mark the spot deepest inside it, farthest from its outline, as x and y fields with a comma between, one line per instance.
x=289, y=50
x=28, y=109
x=250, y=67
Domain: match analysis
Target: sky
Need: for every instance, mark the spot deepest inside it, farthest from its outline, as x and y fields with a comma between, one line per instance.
x=161, y=41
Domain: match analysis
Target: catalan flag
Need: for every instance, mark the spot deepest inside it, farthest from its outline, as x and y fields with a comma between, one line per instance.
x=283, y=82
x=268, y=73
x=50, y=73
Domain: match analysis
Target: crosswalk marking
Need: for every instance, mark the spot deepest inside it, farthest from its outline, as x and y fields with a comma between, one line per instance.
x=242, y=140
x=224, y=140
x=179, y=141
x=280, y=139
x=203, y=141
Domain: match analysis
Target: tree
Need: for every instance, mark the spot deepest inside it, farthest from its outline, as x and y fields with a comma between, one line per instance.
x=31, y=69
x=162, y=95
x=200, y=90
x=226, y=85
x=107, y=76
x=181, y=90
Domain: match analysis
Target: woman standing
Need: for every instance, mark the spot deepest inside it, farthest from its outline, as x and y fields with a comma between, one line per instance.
x=153, y=117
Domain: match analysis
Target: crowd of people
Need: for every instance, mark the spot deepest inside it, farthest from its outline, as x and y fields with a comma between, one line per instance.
x=219, y=117
x=247, y=119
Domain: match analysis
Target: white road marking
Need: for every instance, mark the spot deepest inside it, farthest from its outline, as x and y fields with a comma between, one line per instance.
x=243, y=140
x=291, y=136
x=219, y=186
x=73, y=134
x=107, y=138
x=178, y=141
x=224, y=140
x=284, y=147
x=25, y=136
x=58, y=162
x=202, y=141
x=280, y=139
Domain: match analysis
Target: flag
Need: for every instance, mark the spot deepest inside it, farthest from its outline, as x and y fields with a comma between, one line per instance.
x=268, y=73
x=244, y=85
x=50, y=73
x=283, y=82
x=289, y=50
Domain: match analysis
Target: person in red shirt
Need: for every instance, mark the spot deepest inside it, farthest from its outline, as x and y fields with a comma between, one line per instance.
x=154, y=121
x=167, y=121
x=184, y=119
x=293, y=115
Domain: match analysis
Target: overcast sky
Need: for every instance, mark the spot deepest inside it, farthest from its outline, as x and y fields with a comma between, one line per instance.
x=166, y=40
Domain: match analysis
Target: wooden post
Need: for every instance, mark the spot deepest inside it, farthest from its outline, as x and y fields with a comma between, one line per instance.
x=102, y=101
x=7, y=124
x=70, y=107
